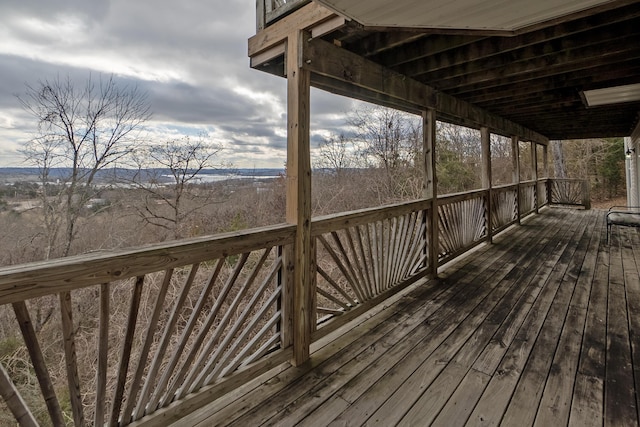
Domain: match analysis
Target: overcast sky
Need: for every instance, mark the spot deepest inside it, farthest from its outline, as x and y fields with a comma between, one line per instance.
x=189, y=56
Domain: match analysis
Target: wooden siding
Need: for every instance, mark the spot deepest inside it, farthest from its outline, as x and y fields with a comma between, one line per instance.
x=540, y=328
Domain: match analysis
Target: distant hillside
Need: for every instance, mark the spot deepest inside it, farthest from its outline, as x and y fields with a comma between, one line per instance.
x=121, y=174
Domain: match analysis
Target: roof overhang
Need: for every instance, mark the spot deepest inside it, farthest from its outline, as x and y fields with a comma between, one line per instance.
x=499, y=16
x=540, y=75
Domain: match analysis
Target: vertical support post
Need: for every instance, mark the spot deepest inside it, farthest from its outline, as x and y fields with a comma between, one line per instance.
x=285, y=279
x=298, y=210
x=633, y=194
x=485, y=141
x=260, y=14
x=586, y=194
x=430, y=188
x=313, y=297
x=534, y=173
x=515, y=151
x=545, y=171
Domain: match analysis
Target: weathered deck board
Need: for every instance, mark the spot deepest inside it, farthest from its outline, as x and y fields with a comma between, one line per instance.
x=542, y=327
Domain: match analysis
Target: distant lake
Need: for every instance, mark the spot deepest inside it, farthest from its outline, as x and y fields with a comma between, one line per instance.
x=205, y=178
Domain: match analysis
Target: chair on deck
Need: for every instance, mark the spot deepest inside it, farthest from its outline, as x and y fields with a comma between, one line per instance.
x=628, y=216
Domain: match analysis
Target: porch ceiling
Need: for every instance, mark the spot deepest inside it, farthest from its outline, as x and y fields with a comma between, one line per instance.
x=497, y=15
x=533, y=72
x=535, y=77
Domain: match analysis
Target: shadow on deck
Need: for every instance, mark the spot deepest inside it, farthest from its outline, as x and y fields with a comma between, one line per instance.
x=542, y=327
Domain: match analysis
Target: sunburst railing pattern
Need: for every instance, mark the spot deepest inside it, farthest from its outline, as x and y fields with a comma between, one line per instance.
x=362, y=255
x=567, y=191
x=527, y=197
x=504, y=207
x=462, y=223
x=542, y=194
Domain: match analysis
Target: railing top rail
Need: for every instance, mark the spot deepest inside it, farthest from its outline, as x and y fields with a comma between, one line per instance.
x=458, y=197
x=327, y=223
x=568, y=179
x=25, y=281
x=505, y=186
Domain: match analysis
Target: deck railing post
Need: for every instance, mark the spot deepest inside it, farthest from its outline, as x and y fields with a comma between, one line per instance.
x=485, y=137
x=534, y=174
x=299, y=191
x=515, y=152
x=260, y=14
x=431, y=186
x=586, y=194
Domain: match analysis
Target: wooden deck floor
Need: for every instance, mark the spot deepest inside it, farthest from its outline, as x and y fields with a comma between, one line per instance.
x=540, y=328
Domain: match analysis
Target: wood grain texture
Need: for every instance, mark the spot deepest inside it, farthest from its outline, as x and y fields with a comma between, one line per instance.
x=38, y=361
x=502, y=342
x=33, y=280
x=298, y=209
x=14, y=401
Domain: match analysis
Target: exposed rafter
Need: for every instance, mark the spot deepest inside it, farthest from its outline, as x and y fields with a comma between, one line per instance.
x=333, y=63
x=534, y=78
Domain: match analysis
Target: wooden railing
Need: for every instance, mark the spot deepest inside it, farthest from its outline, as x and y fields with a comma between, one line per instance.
x=206, y=315
x=574, y=192
x=269, y=11
x=462, y=220
x=201, y=314
x=504, y=203
x=528, y=197
x=364, y=256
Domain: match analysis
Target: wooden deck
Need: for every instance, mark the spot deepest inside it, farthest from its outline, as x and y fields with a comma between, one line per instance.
x=540, y=328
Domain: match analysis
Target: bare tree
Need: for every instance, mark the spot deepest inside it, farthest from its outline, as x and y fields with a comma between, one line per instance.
x=391, y=136
x=458, y=158
x=178, y=161
x=391, y=143
x=559, y=164
x=82, y=130
x=338, y=153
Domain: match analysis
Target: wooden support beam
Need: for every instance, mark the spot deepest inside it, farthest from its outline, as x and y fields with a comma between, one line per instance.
x=534, y=171
x=485, y=49
x=424, y=47
x=485, y=141
x=545, y=161
x=327, y=60
x=431, y=186
x=515, y=152
x=458, y=108
x=304, y=18
x=535, y=63
x=298, y=209
x=263, y=58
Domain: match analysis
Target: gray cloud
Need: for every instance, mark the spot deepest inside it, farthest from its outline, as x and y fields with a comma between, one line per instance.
x=190, y=57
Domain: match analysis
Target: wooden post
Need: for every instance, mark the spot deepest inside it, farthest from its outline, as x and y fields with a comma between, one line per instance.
x=534, y=172
x=545, y=171
x=430, y=190
x=299, y=192
x=14, y=401
x=260, y=14
x=485, y=140
x=515, y=151
x=586, y=194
